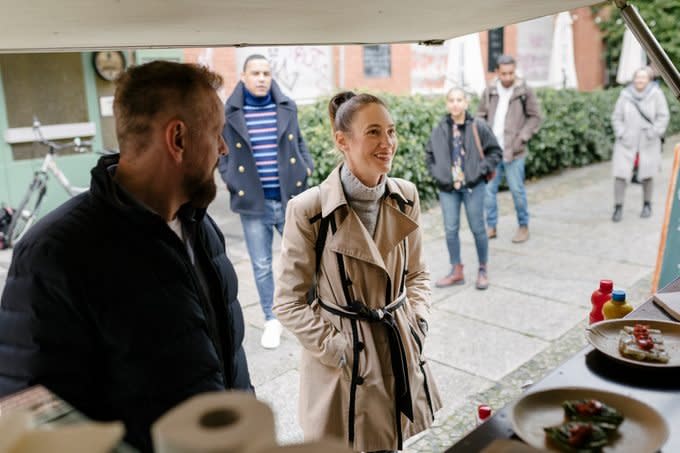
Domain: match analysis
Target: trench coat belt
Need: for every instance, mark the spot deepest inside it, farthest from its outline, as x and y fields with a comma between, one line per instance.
x=385, y=316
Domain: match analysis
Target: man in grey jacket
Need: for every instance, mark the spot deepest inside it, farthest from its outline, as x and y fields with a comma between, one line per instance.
x=512, y=109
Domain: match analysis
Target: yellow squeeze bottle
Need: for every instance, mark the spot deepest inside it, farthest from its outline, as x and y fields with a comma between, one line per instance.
x=617, y=307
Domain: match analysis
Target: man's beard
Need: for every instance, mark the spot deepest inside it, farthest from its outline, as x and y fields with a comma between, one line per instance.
x=201, y=192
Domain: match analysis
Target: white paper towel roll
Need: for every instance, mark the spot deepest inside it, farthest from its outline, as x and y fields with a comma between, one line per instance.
x=219, y=422
x=322, y=446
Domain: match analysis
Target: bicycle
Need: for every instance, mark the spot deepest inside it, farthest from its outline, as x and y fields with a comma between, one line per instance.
x=27, y=211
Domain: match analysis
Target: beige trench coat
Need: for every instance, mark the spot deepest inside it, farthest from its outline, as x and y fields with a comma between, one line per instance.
x=375, y=266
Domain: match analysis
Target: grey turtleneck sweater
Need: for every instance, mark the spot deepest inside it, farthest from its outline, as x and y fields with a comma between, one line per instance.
x=364, y=200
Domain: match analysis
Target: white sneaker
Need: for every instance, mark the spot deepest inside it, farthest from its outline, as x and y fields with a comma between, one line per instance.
x=271, y=338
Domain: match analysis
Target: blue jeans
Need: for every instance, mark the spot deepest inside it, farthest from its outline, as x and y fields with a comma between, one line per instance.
x=259, y=233
x=473, y=199
x=514, y=175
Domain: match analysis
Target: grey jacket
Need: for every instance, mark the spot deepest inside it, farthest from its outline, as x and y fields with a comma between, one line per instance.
x=439, y=147
x=635, y=134
x=521, y=122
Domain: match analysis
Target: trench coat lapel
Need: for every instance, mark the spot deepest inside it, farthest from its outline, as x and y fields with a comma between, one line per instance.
x=351, y=238
x=393, y=227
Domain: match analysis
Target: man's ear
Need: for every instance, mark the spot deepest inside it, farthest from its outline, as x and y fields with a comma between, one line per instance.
x=175, y=135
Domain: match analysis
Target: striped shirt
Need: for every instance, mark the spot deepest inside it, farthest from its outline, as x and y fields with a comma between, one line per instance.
x=260, y=115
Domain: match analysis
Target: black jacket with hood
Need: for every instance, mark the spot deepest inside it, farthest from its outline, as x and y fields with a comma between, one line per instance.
x=440, y=146
x=103, y=306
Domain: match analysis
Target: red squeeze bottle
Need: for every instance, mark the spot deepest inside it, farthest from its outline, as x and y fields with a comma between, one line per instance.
x=483, y=413
x=599, y=298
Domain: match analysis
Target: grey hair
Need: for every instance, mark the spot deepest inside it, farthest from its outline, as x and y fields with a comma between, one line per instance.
x=645, y=69
x=505, y=59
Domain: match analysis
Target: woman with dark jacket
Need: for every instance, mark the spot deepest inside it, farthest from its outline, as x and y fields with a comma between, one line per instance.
x=461, y=156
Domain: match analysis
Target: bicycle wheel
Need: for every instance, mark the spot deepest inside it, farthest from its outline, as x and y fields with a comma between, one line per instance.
x=27, y=211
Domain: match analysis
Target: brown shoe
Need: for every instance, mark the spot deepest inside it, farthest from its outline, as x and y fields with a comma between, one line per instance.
x=482, y=278
x=456, y=277
x=522, y=234
x=491, y=233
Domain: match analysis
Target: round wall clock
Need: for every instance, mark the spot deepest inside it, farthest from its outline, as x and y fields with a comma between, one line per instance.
x=109, y=64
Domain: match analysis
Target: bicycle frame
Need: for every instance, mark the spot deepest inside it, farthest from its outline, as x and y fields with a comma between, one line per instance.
x=50, y=165
x=27, y=211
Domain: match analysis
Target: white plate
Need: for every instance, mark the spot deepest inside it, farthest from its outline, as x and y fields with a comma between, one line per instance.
x=643, y=428
x=604, y=336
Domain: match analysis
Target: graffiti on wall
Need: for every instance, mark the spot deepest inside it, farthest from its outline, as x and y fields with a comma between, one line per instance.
x=303, y=72
x=428, y=69
x=534, y=46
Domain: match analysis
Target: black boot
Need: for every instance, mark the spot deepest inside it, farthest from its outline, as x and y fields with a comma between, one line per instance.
x=618, y=213
x=646, y=210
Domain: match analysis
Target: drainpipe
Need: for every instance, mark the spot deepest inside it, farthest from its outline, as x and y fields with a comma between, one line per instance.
x=341, y=68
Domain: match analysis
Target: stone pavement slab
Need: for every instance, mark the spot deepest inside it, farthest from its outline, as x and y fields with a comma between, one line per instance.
x=477, y=347
x=515, y=311
x=561, y=276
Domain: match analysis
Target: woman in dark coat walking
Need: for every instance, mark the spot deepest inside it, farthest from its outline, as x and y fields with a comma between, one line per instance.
x=461, y=155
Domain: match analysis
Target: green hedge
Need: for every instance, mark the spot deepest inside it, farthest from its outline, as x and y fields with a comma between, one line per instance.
x=576, y=131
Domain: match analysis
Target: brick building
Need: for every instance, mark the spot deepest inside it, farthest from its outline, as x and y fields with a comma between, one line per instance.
x=306, y=72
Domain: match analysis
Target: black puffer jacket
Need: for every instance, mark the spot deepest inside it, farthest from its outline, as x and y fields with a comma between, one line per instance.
x=103, y=306
x=439, y=149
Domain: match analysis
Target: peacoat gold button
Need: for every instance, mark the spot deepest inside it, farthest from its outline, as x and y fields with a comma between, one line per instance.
x=241, y=193
x=298, y=184
x=290, y=137
x=241, y=169
x=309, y=172
x=293, y=160
x=238, y=144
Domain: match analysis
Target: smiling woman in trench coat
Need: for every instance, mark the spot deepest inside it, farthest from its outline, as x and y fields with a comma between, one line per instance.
x=363, y=376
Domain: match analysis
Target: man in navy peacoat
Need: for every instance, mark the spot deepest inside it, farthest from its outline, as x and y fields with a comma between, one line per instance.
x=268, y=164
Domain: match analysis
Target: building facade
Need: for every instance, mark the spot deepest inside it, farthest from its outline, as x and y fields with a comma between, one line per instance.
x=307, y=72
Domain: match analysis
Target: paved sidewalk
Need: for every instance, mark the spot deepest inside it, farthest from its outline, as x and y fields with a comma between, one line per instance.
x=486, y=346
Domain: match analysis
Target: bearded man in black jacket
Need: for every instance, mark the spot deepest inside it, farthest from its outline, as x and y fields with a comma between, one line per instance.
x=122, y=301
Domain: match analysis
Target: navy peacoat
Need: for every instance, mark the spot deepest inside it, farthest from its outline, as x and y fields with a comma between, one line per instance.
x=238, y=168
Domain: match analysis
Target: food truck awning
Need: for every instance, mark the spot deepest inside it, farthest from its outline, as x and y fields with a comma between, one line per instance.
x=76, y=25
